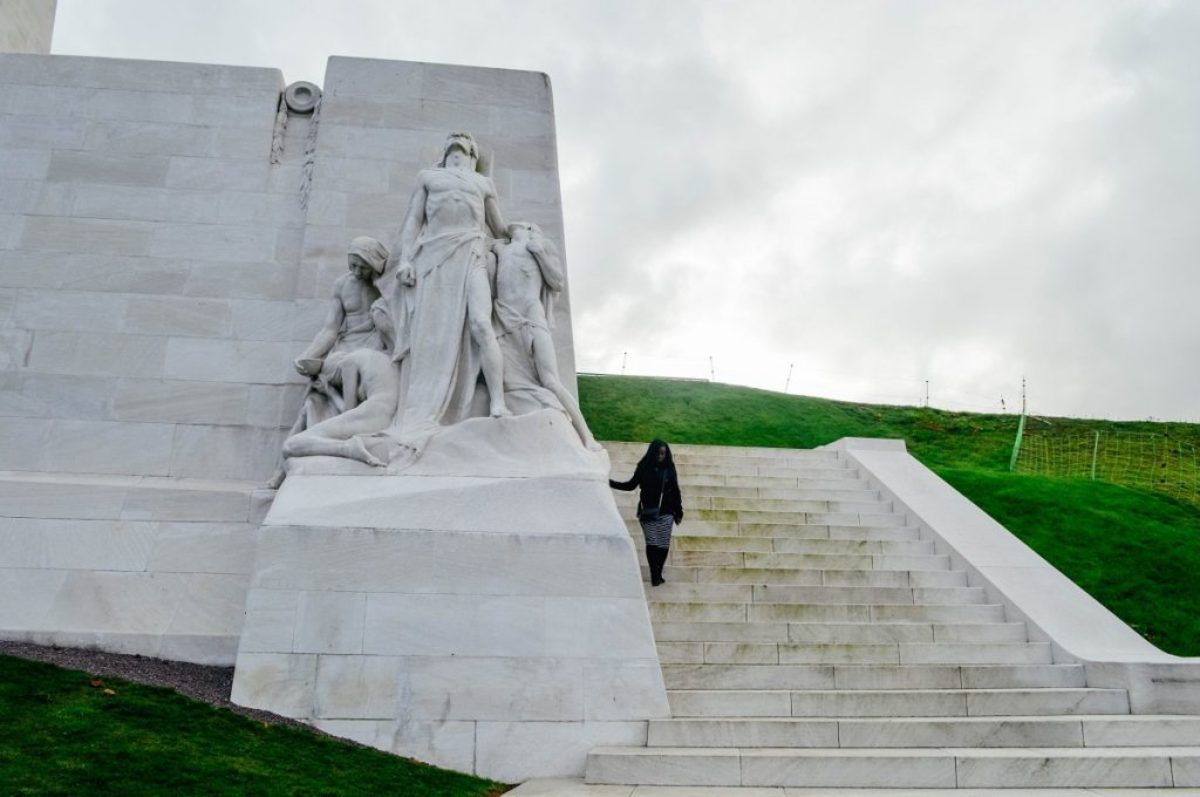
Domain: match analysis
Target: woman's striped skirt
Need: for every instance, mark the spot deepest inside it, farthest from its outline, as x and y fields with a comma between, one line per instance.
x=658, y=531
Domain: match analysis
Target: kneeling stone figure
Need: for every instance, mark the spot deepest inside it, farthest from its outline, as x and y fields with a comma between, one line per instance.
x=370, y=391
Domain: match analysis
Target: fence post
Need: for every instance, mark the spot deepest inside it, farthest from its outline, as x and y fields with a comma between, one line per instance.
x=1095, y=452
x=1012, y=463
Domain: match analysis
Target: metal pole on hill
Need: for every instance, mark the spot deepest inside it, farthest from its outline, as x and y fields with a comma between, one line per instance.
x=1016, y=452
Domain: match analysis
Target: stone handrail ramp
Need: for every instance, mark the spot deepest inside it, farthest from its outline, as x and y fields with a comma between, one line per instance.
x=838, y=618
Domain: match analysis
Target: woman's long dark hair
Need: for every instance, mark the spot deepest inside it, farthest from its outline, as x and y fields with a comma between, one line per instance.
x=650, y=458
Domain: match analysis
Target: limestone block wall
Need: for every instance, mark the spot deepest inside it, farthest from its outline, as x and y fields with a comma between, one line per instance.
x=147, y=277
x=149, y=251
x=166, y=249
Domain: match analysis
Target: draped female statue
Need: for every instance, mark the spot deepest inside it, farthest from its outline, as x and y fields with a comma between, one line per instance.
x=441, y=298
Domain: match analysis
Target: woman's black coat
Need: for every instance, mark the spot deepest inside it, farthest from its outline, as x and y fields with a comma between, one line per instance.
x=650, y=479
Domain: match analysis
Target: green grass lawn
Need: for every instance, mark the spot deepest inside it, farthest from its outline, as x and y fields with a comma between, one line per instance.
x=60, y=735
x=1137, y=552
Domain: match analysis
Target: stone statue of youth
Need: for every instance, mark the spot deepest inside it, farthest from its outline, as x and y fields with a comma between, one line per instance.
x=528, y=275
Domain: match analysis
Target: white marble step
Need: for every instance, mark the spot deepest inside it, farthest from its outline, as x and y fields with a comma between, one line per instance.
x=943, y=768
x=691, y=454
x=636, y=449
x=696, y=503
x=840, y=491
x=868, y=519
x=874, y=506
x=847, y=633
x=743, y=466
x=805, y=561
x=799, y=470
x=851, y=653
x=923, y=732
x=813, y=578
x=873, y=677
x=721, y=455
x=839, y=482
x=830, y=562
x=713, y=542
x=693, y=612
x=803, y=531
x=812, y=531
x=673, y=591
x=895, y=702
x=813, y=479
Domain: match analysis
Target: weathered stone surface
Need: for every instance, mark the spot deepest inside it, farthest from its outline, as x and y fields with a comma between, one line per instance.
x=541, y=629
x=98, y=354
x=108, y=447
x=27, y=26
x=177, y=316
x=235, y=452
x=180, y=401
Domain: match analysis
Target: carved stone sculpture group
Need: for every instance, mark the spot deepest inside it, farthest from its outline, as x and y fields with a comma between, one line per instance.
x=409, y=333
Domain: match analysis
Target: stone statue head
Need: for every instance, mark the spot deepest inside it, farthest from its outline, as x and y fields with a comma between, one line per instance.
x=462, y=142
x=367, y=257
x=520, y=231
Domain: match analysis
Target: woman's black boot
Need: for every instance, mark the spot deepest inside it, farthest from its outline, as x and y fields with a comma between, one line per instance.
x=656, y=557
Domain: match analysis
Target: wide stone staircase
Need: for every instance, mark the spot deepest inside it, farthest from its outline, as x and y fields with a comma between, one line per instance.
x=809, y=637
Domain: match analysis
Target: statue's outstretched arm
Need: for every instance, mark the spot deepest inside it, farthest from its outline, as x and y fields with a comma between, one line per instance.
x=327, y=335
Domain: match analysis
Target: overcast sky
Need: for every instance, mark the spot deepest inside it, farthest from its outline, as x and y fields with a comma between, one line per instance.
x=881, y=193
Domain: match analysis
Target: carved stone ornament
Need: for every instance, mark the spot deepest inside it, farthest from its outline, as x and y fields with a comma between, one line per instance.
x=302, y=97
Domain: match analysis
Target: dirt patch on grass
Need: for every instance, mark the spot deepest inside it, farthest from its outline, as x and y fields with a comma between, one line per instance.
x=207, y=683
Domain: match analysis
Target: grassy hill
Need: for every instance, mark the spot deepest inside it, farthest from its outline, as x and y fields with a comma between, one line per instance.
x=64, y=733
x=1136, y=551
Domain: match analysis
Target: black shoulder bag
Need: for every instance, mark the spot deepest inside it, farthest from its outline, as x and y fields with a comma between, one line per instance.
x=652, y=512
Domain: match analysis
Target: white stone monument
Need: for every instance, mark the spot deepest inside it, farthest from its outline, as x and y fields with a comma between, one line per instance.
x=443, y=572
x=454, y=583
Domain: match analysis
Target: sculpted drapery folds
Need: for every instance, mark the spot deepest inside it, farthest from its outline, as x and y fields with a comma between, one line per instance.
x=443, y=291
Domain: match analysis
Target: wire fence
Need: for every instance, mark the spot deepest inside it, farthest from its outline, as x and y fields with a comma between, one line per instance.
x=1146, y=460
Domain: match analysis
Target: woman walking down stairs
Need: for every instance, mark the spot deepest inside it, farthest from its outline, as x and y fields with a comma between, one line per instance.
x=810, y=637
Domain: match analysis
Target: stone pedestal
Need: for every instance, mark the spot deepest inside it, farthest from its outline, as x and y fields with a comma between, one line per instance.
x=486, y=623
